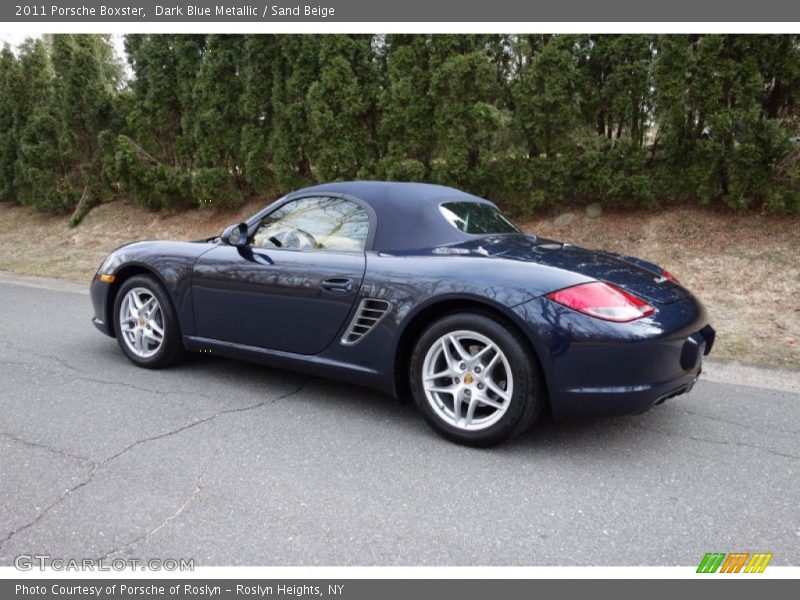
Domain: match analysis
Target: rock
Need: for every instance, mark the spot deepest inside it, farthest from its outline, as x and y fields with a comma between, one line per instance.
x=594, y=211
x=564, y=220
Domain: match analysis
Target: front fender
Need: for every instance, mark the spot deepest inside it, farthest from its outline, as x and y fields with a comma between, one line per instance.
x=170, y=262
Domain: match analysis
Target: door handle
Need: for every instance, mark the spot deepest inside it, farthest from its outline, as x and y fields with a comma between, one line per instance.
x=337, y=285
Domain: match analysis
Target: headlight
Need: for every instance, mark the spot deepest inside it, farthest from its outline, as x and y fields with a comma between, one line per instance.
x=108, y=266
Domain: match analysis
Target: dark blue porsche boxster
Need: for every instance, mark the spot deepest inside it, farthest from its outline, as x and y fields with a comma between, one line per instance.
x=416, y=290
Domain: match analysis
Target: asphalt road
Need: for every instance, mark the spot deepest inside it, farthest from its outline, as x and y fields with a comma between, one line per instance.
x=237, y=464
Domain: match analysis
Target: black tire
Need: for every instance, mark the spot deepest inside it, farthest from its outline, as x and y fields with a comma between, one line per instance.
x=171, y=350
x=527, y=398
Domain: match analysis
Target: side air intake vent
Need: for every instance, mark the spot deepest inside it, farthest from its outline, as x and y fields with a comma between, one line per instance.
x=369, y=314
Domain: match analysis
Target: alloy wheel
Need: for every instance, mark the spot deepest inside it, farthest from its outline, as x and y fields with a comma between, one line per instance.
x=141, y=321
x=467, y=380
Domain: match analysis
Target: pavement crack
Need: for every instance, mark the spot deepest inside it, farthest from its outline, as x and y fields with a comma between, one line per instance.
x=199, y=481
x=79, y=375
x=718, y=442
x=97, y=465
x=84, y=482
x=43, y=355
x=737, y=423
x=51, y=449
x=227, y=411
x=198, y=486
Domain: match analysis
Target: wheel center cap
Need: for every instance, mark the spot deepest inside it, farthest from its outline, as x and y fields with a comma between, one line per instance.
x=469, y=378
x=142, y=321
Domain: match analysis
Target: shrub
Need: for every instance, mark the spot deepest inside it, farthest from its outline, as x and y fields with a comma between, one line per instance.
x=150, y=183
x=215, y=187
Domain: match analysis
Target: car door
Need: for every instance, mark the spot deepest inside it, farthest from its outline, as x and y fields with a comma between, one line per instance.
x=292, y=287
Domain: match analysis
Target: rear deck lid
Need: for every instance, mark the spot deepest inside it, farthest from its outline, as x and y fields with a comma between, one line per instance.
x=635, y=275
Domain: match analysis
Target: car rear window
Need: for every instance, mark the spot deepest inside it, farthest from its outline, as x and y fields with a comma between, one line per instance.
x=476, y=218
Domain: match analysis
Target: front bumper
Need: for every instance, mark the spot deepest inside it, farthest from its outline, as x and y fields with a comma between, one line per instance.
x=99, y=293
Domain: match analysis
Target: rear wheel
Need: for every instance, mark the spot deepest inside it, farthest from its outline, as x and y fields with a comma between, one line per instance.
x=145, y=323
x=475, y=380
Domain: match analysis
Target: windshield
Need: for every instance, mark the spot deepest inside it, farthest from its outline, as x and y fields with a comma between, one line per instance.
x=476, y=218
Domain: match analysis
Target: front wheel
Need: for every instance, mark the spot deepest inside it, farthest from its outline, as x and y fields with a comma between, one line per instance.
x=475, y=380
x=145, y=323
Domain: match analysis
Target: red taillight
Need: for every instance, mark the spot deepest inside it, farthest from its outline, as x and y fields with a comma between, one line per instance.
x=603, y=301
x=669, y=276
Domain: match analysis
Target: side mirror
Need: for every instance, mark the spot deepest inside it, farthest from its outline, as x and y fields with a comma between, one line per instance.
x=235, y=235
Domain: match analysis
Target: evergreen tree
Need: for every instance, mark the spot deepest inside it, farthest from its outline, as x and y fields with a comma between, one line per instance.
x=39, y=165
x=189, y=51
x=529, y=120
x=85, y=79
x=155, y=115
x=259, y=63
x=9, y=109
x=715, y=95
x=465, y=116
x=218, y=108
x=155, y=156
x=291, y=139
x=407, y=109
x=616, y=87
x=545, y=94
x=342, y=107
x=218, y=122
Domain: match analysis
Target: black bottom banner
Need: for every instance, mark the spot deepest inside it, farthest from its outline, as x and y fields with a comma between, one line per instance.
x=385, y=589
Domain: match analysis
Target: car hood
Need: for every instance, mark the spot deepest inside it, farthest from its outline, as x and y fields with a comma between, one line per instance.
x=638, y=276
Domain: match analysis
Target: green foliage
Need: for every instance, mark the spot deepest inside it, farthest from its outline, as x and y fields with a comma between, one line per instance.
x=394, y=168
x=155, y=114
x=217, y=102
x=150, y=183
x=37, y=173
x=342, y=108
x=59, y=95
x=85, y=79
x=406, y=128
x=617, y=95
x=9, y=134
x=723, y=108
x=260, y=57
x=465, y=117
x=291, y=140
x=35, y=129
x=531, y=121
x=215, y=187
x=546, y=95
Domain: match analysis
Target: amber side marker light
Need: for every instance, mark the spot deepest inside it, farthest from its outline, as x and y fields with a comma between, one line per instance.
x=107, y=278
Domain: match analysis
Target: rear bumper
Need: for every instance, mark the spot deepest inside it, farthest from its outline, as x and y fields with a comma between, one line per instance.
x=636, y=398
x=622, y=400
x=595, y=368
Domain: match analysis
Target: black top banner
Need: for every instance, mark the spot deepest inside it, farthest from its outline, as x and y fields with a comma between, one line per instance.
x=221, y=11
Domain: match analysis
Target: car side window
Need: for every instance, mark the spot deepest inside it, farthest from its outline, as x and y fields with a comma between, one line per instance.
x=318, y=223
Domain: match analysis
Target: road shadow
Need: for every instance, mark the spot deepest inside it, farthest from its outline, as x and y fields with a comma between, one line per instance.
x=548, y=435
